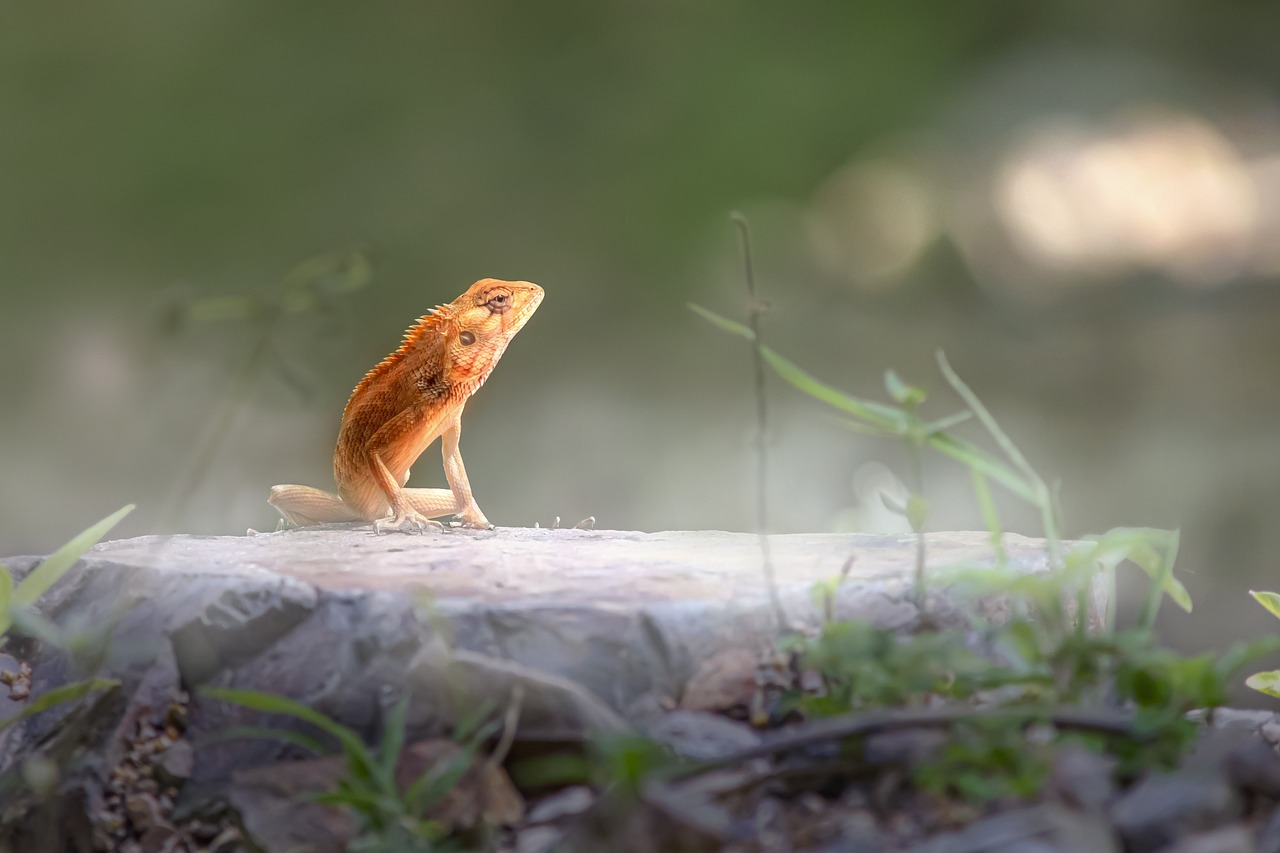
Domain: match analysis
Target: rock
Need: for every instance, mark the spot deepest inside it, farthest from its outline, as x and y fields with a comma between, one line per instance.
x=1162, y=808
x=538, y=839
x=175, y=765
x=16, y=675
x=275, y=812
x=723, y=681
x=573, y=627
x=1241, y=754
x=1082, y=778
x=158, y=839
x=620, y=823
x=1269, y=834
x=483, y=793
x=1221, y=718
x=11, y=705
x=620, y=613
x=572, y=800
x=1229, y=839
x=701, y=736
x=1038, y=829
x=144, y=811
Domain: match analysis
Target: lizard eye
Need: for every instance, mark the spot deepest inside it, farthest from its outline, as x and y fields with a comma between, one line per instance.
x=498, y=303
x=467, y=338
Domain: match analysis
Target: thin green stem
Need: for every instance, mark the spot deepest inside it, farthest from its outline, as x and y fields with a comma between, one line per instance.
x=754, y=309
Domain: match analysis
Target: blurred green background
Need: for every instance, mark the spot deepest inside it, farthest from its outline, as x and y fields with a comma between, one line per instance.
x=1079, y=202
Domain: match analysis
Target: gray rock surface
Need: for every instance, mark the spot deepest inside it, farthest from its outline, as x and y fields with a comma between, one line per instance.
x=624, y=615
x=582, y=629
x=570, y=632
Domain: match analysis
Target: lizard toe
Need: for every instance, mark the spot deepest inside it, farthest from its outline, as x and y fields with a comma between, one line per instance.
x=409, y=521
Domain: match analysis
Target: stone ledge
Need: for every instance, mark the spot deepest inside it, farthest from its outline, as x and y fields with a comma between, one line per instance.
x=628, y=616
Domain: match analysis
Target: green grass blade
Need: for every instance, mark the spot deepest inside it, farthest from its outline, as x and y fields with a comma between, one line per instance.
x=56, y=564
x=369, y=803
x=987, y=419
x=1269, y=600
x=982, y=462
x=59, y=696
x=1155, y=552
x=990, y=516
x=298, y=739
x=6, y=600
x=432, y=786
x=270, y=703
x=392, y=742
x=877, y=414
x=32, y=624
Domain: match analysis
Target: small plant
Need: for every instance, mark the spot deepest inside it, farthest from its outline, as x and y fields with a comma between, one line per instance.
x=1267, y=682
x=15, y=611
x=1045, y=656
x=389, y=820
x=986, y=759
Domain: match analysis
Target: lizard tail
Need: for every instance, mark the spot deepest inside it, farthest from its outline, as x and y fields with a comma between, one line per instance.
x=304, y=506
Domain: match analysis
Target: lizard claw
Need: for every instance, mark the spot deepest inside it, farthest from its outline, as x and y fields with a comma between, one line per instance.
x=474, y=519
x=408, y=521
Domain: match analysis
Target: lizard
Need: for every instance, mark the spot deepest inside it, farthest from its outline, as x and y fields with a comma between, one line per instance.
x=408, y=400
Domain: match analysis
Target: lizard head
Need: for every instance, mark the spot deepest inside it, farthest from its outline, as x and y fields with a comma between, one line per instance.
x=483, y=321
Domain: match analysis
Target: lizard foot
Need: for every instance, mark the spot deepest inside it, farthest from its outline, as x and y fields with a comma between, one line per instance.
x=407, y=521
x=474, y=519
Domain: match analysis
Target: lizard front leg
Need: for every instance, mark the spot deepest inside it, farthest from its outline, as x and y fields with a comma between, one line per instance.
x=456, y=473
x=402, y=510
x=388, y=446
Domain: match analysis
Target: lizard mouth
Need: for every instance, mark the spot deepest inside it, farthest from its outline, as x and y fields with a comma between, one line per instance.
x=534, y=297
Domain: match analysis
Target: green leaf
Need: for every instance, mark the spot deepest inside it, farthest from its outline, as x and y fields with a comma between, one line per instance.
x=1269, y=600
x=1151, y=549
x=893, y=504
x=876, y=414
x=902, y=393
x=723, y=323
x=269, y=703
x=1265, y=682
x=1241, y=653
x=944, y=424
x=917, y=511
x=56, y=564
x=59, y=696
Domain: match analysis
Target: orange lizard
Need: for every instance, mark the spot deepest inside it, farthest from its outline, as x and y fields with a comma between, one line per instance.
x=411, y=398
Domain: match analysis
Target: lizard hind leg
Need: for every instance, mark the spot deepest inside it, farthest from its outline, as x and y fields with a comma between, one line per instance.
x=304, y=506
x=432, y=503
